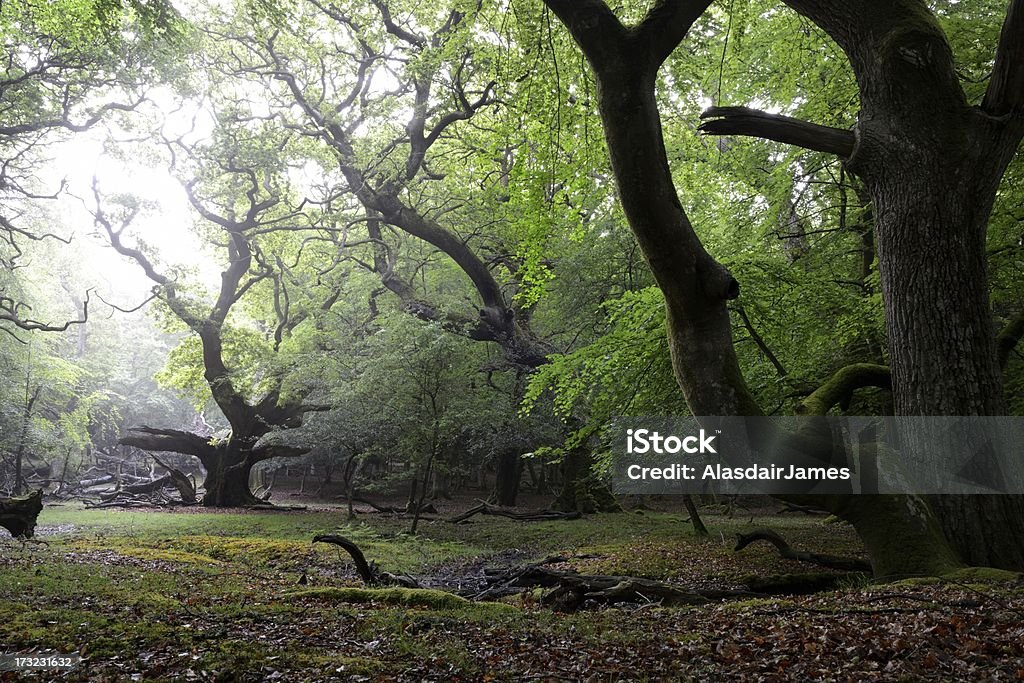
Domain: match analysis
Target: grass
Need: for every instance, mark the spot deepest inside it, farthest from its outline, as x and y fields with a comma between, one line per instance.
x=217, y=596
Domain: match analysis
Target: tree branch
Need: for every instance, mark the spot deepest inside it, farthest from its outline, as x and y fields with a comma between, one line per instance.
x=841, y=386
x=268, y=451
x=786, y=129
x=665, y=26
x=594, y=27
x=169, y=440
x=759, y=340
x=396, y=30
x=9, y=313
x=1005, y=93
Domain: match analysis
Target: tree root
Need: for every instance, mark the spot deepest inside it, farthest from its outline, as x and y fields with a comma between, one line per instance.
x=367, y=571
x=848, y=564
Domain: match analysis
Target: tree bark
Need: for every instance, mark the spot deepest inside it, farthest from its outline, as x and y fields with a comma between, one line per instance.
x=227, y=479
x=695, y=520
x=932, y=163
x=228, y=463
x=507, y=476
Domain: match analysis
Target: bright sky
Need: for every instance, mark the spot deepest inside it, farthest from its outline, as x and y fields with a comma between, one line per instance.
x=165, y=231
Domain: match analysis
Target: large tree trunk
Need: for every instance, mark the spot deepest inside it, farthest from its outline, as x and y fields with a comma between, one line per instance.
x=985, y=530
x=932, y=164
x=900, y=533
x=228, y=463
x=227, y=479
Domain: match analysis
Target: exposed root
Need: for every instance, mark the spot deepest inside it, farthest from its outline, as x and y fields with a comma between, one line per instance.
x=848, y=564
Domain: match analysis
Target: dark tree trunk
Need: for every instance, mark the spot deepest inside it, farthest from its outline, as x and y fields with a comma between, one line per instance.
x=507, y=476
x=414, y=489
x=581, y=490
x=984, y=530
x=695, y=520
x=228, y=464
x=932, y=164
x=19, y=454
x=227, y=480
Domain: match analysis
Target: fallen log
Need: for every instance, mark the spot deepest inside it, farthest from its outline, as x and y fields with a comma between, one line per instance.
x=532, y=516
x=148, y=486
x=18, y=515
x=849, y=564
x=569, y=590
x=390, y=510
x=98, y=481
x=806, y=509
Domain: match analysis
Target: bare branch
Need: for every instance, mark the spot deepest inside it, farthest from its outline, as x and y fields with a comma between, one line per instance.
x=785, y=129
x=67, y=124
x=9, y=313
x=396, y=30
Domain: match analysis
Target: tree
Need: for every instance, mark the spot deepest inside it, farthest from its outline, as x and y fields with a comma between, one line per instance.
x=331, y=82
x=931, y=164
x=260, y=407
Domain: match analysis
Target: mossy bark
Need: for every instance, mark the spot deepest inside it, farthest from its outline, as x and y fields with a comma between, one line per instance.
x=901, y=534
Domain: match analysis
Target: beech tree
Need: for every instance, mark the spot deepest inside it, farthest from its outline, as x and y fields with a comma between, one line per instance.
x=931, y=162
x=335, y=86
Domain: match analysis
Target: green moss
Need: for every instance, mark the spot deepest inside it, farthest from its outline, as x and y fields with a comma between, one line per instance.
x=159, y=555
x=409, y=597
x=967, y=575
x=983, y=575
x=756, y=603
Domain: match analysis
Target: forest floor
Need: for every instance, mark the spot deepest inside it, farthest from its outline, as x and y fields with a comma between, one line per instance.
x=200, y=595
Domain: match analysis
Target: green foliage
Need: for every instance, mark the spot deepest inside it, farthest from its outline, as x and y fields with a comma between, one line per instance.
x=625, y=371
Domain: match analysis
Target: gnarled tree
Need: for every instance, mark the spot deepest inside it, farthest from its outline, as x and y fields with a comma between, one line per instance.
x=229, y=460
